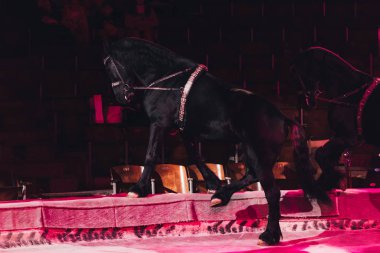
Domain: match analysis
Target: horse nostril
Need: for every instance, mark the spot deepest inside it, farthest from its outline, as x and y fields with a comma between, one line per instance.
x=128, y=97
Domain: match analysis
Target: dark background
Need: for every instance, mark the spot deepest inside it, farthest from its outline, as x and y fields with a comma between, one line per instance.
x=48, y=75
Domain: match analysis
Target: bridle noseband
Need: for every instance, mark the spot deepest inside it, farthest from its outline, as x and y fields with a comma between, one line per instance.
x=121, y=81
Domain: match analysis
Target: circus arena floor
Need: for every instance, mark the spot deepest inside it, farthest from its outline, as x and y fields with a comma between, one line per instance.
x=186, y=223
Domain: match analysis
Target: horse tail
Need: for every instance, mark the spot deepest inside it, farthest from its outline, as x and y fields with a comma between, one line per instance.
x=304, y=169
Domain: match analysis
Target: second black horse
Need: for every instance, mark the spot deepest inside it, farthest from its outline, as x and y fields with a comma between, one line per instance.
x=353, y=99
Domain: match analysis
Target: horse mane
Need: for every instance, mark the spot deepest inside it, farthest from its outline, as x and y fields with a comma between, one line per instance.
x=150, y=53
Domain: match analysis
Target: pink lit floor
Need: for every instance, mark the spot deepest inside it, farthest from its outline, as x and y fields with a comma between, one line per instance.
x=185, y=223
x=367, y=241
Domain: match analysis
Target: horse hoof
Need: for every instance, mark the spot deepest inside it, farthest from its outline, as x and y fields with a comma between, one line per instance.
x=262, y=243
x=211, y=191
x=132, y=195
x=215, y=202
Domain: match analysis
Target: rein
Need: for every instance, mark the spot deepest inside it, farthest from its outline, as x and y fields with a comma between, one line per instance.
x=369, y=88
x=336, y=100
x=150, y=86
x=184, y=90
x=345, y=95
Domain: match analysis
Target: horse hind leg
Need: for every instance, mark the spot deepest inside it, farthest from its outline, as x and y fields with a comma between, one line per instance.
x=260, y=165
x=223, y=196
x=272, y=233
x=266, y=157
x=213, y=183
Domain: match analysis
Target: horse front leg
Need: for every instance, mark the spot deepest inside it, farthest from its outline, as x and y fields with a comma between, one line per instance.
x=142, y=187
x=223, y=196
x=212, y=181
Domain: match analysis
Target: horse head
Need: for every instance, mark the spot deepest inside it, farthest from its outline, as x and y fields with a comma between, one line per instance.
x=134, y=64
x=122, y=80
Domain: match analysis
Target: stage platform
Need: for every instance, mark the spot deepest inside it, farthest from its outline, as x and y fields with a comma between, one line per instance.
x=115, y=218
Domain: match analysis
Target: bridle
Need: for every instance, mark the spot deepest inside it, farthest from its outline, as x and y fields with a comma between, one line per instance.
x=130, y=88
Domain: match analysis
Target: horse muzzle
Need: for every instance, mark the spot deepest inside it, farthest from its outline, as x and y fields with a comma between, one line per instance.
x=123, y=95
x=129, y=95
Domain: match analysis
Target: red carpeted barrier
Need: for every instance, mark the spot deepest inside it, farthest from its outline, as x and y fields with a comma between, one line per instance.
x=109, y=217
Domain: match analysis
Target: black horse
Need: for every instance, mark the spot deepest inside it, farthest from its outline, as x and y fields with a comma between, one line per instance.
x=353, y=103
x=178, y=93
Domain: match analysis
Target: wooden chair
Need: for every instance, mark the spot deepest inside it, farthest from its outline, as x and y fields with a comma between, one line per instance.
x=172, y=178
x=12, y=193
x=237, y=171
x=124, y=176
x=199, y=185
x=360, y=166
x=11, y=188
x=167, y=178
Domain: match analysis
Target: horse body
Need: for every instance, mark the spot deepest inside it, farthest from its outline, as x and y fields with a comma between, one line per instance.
x=325, y=76
x=212, y=112
x=208, y=116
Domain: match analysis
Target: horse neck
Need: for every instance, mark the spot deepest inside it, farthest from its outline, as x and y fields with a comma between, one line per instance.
x=154, y=62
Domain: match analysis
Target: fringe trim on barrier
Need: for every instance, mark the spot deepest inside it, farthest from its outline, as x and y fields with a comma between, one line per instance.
x=11, y=239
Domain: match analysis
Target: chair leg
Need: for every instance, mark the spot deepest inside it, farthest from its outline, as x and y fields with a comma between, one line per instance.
x=23, y=191
x=191, y=185
x=113, y=184
x=153, y=185
x=347, y=164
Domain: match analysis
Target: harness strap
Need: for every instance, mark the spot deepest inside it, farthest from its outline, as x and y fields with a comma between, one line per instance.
x=156, y=88
x=362, y=103
x=168, y=77
x=185, y=93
